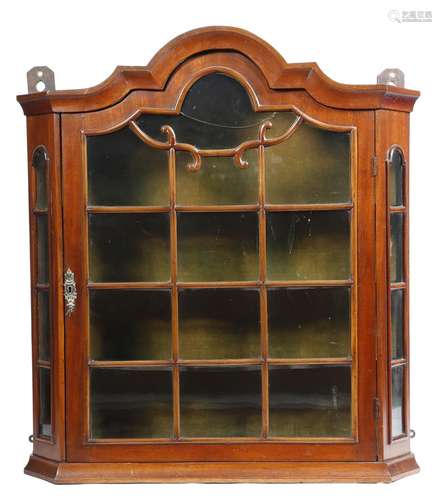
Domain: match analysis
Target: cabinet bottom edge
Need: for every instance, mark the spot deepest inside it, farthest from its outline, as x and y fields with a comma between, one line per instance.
x=221, y=472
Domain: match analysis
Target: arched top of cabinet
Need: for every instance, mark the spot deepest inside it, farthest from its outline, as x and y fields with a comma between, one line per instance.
x=276, y=72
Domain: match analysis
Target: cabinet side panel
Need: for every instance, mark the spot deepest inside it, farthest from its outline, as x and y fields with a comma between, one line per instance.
x=392, y=128
x=44, y=130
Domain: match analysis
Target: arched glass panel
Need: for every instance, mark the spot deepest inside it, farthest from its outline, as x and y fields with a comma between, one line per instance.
x=396, y=177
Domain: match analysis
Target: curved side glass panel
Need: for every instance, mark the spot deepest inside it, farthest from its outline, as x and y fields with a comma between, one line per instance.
x=42, y=288
x=396, y=247
x=398, y=291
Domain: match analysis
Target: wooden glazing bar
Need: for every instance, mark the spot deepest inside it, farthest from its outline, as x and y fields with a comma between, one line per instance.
x=218, y=284
x=173, y=275
x=149, y=363
x=217, y=208
x=40, y=211
x=222, y=208
x=127, y=209
x=400, y=285
x=308, y=207
x=354, y=295
x=310, y=361
x=176, y=401
x=130, y=363
x=400, y=209
x=43, y=364
x=225, y=362
x=220, y=439
x=220, y=362
x=265, y=400
x=107, y=441
x=262, y=219
x=263, y=296
x=129, y=285
x=322, y=439
x=41, y=286
x=398, y=362
x=308, y=283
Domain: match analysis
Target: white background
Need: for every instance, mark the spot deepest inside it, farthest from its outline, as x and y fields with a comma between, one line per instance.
x=82, y=41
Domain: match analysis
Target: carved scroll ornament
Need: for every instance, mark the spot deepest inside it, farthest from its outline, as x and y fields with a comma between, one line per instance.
x=237, y=153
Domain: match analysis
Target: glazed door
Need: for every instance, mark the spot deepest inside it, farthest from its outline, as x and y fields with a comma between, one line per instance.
x=223, y=260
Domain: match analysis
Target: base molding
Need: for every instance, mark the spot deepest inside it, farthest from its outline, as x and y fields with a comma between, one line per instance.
x=222, y=472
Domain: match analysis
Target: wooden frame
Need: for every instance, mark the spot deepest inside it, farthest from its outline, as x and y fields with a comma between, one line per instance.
x=371, y=114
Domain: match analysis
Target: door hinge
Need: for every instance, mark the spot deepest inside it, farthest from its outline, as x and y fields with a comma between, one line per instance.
x=374, y=166
x=377, y=415
x=376, y=408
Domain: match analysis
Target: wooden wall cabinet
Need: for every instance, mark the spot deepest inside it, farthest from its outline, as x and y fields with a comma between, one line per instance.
x=219, y=248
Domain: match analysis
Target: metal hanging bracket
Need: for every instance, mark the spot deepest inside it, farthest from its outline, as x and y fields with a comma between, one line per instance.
x=40, y=79
x=392, y=76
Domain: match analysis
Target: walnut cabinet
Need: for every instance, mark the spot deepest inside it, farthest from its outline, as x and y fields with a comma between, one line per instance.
x=219, y=260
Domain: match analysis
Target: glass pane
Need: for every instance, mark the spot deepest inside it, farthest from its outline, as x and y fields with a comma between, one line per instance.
x=130, y=324
x=42, y=249
x=223, y=122
x=219, y=182
x=396, y=247
x=312, y=166
x=396, y=178
x=221, y=323
x=40, y=163
x=123, y=170
x=310, y=401
x=45, y=428
x=308, y=245
x=217, y=246
x=131, y=403
x=228, y=115
x=220, y=402
x=309, y=322
x=397, y=324
x=397, y=375
x=44, y=336
x=129, y=247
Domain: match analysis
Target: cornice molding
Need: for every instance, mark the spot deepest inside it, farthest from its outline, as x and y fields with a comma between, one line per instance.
x=279, y=75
